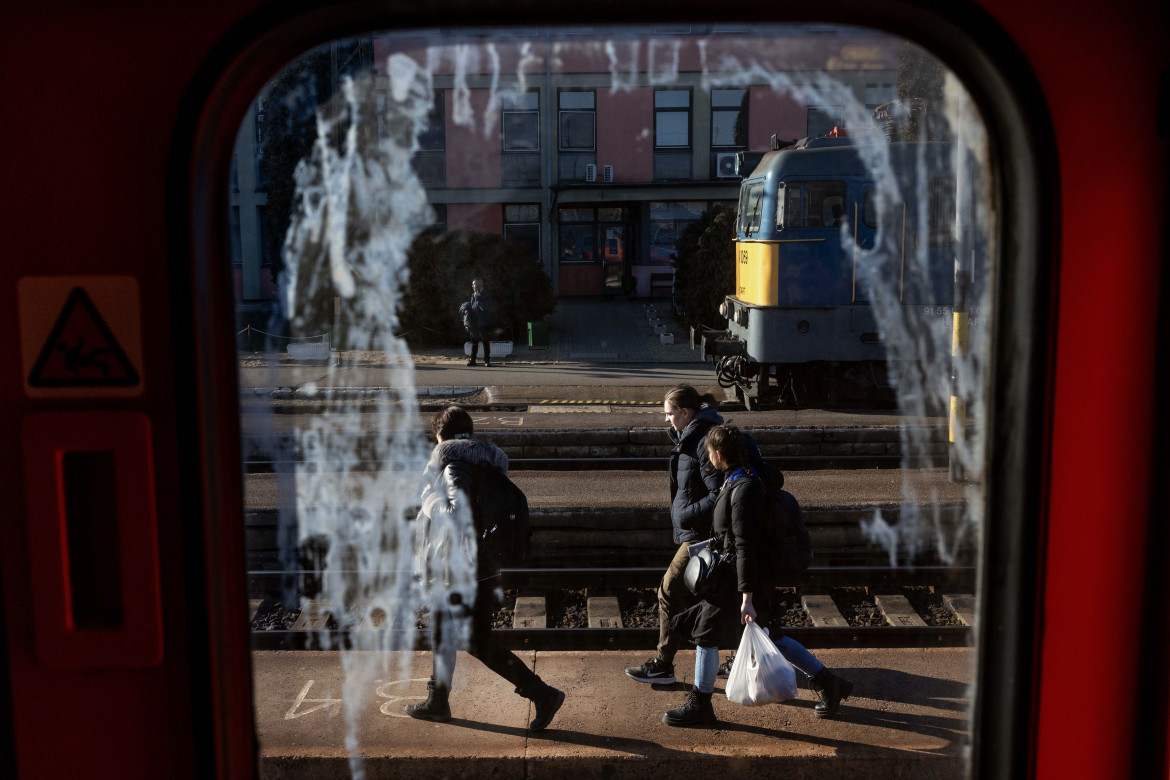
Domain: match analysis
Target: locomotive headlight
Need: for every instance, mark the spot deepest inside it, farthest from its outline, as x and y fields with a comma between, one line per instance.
x=803, y=327
x=723, y=310
x=741, y=317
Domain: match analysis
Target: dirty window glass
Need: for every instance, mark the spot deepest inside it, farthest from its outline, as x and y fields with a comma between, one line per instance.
x=380, y=174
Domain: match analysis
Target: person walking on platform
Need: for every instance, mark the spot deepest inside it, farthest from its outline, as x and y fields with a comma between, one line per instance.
x=693, y=487
x=741, y=588
x=452, y=485
x=477, y=317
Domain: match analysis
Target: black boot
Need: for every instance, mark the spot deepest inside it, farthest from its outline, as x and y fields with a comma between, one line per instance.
x=831, y=689
x=547, y=701
x=435, y=707
x=697, y=711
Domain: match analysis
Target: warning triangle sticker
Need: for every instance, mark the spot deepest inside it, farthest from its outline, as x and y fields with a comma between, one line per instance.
x=81, y=351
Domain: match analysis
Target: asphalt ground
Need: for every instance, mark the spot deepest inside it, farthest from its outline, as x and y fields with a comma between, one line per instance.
x=907, y=718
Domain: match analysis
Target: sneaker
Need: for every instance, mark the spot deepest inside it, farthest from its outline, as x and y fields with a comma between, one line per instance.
x=653, y=671
x=487, y=363
x=725, y=667
x=471, y=362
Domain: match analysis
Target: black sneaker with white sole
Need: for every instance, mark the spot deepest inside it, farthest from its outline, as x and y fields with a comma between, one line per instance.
x=725, y=667
x=653, y=671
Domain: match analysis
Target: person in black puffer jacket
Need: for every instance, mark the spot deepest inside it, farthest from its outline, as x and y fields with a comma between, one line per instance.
x=451, y=491
x=693, y=486
x=741, y=588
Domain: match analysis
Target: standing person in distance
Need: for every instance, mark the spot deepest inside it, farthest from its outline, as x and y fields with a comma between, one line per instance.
x=741, y=588
x=451, y=484
x=477, y=318
x=693, y=487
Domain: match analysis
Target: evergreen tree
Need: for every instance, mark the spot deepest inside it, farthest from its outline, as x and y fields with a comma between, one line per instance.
x=705, y=266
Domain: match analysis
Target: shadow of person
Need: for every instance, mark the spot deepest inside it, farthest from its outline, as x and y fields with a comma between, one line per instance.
x=908, y=693
x=630, y=745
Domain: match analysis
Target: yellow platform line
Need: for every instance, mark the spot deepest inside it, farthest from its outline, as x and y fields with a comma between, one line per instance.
x=596, y=402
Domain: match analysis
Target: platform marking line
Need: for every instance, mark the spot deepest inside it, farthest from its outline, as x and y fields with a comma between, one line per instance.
x=510, y=421
x=393, y=698
x=292, y=713
x=596, y=402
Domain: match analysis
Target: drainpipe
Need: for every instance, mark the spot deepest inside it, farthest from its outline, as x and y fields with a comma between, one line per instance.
x=547, y=221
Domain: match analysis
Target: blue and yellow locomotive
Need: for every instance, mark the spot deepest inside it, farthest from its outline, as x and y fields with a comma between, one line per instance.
x=845, y=268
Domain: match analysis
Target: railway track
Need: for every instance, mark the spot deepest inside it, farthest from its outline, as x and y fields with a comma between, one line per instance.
x=896, y=622
x=264, y=465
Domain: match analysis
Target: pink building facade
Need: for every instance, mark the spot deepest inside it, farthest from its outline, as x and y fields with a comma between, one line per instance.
x=596, y=154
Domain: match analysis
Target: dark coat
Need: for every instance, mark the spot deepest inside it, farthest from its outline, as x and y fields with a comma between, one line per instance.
x=737, y=527
x=693, y=482
x=450, y=475
x=477, y=312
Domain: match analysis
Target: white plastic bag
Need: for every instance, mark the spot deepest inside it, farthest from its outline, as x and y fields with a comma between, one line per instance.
x=760, y=674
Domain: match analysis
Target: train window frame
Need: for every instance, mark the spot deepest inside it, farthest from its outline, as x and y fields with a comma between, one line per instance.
x=1024, y=177
x=747, y=216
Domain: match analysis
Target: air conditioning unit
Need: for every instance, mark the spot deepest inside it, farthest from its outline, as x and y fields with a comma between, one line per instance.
x=725, y=165
x=607, y=174
x=590, y=173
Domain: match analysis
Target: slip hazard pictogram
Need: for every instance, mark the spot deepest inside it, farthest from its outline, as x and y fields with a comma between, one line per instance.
x=81, y=351
x=81, y=336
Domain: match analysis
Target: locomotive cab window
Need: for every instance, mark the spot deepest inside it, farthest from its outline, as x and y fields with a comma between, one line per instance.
x=824, y=271
x=751, y=207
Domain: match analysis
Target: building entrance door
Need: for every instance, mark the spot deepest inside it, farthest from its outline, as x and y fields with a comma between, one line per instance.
x=614, y=237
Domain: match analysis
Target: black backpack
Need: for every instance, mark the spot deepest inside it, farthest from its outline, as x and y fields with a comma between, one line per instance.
x=502, y=521
x=787, y=536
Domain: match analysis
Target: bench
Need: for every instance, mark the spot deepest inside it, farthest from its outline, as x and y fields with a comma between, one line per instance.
x=663, y=282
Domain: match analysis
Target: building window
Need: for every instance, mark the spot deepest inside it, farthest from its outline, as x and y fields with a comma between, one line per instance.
x=672, y=134
x=259, y=138
x=520, y=166
x=668, y=219
x=577, y=134
x=438, y=223
x=822, y=120
x=522, y=225
x=729, y=118
x=672, y=119
x=430, y=161
x=879, y=94
x=580, y=228
x=267, y=250
x=234, y=231
x=729, y=129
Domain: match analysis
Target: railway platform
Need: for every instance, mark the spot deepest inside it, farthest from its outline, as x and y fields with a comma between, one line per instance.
x=907, y=718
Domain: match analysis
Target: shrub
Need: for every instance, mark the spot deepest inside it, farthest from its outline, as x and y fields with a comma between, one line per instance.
x=441, y=269
x=705, y=267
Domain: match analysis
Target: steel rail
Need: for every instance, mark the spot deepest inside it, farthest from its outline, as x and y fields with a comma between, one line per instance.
x=261, y=465
x=814, y=577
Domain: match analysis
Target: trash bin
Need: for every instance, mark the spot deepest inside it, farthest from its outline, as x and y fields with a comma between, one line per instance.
x=538, y=334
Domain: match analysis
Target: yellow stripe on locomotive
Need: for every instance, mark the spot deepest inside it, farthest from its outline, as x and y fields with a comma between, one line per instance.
x=757, y=272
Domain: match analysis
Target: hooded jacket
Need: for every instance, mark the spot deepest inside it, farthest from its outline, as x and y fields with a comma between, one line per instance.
x=693, y=482
x=450, y=480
